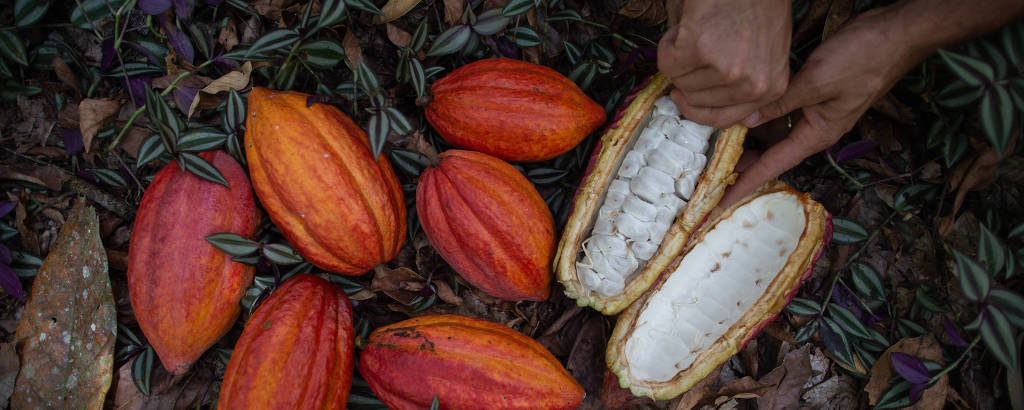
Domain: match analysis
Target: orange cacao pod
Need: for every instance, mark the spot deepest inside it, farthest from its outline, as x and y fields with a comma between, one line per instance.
x=514, y=110
x=489, y=223
x=296, y=351
x=314, y=173
x=184, y=291
x=465, y=363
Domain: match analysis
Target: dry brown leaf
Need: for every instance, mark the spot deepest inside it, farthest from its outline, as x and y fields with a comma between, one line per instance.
x=452, y=12
x=65, y=74
x=398, y=37
x=228, y=36
x=649, y=12
x=93, y=114
x=353, y=52
x=133, y=140
x=972, y=175
x=788, y=380
x=235, y=80
x=9, y=364
x=922, y=347
x=893, y=108
x=446, y=293
x=67, y=330
x=166, y=392
x=812, y=21
x=699, y=393
x=396, y=283
x=394, y=9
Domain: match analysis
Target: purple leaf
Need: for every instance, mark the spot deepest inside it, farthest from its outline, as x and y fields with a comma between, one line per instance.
x=915, y=391
x=843, y=297
x=108, y=53
x=10, y=283
x=909, y=367
x=6, y=207
x=317, y=98
x=183, y=96
x=180, y=42
x=149, y=54
x=154, y=7
x=72, y=140
x=213, y=2
x=183, y=8
x=5, y=255
x=88, y=176
x=952, y=333
x=855, y=150
x=136, y=87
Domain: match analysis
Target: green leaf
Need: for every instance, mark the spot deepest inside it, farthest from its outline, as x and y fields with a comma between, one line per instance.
x=1017, y=231
x=846, y=232
x=1012, y=38
x=274, y=40
x=995, y=114
x=418, y=77
x=524, y=37
x=285, y=78
x=990, y=250
x=331, y=13
x=835, y=341
x=281, y=254
x=12, y=47
x=365, y=5
x=971, y=70
x=411, y=162
x=350, y=286
x=160, y=113
x=573, y=52
x=93, y=11
x=201, y=168
x=958, y=94
x=234, y=112
x=806, y=331
x=804, y=307
x=1011, y=304
x=434, y=404
x=896, y=397
x=201, y=139
x=997, y=334
x=399, y=124
x=135, y=70
x=490, y=22
x=142, y=370
x=419, y=37
x=450, y=41
x=1011, y=263
x=905, y=198
x=867, y=281
x=367, y=79
x=565, y=15
x=584, y=74
x=922, y=298
x=954, y=147
x=974, y=280
x=29, y=12
x=845, y=318
x=517, y=7
x=232, y=243
x=322, y=53
x=109, y=177
x=378, y=129
x=10, y=90
x=910, y=328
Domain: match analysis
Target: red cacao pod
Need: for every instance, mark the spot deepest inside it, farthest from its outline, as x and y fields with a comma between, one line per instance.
x=296, y=352
x=466, y=363
x=314, y=173
x=514, y=110
x=184, y=291
x=489, y=223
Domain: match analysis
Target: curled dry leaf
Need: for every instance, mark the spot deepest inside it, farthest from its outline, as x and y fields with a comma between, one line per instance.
x=396, y=283
x=235, y=80
x=166, y=391
x=446, y=293
x=452, y=12
x=228, y=36
x=65, y=74
x=649, y=12
x=788, y=381
x=922, y=347
x=394, y=9
x=398, y=37
x=67, y=331
x=972, y=175
x=353, y=52
x=93, y=114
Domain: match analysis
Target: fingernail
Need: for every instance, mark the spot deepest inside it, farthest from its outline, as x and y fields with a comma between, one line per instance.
x=752, y=119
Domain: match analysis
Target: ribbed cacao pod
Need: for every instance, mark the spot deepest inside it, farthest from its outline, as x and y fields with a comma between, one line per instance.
x=489, y=223
x=296, y=352
x=651, y=180
x=465, y=363
x=511, y=109
x=313, y=171
x=738, y=271
x=184, y=291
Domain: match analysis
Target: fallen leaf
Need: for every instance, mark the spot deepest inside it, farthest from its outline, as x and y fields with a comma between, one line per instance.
x=228, y=36
x=838, y=392
x=133, y=140
x=649, y=12
x=353, y=52
x=235, y=80
x=398, y=37
x=67, y=330
x=9, y=364
x=788, y=380
x=895, y=109
x=446, y=293
x=586, y=359
x=394, y=9
x=93, y=114
x=615, y=397
x=190, y=390
x=922, y=347
x=394, y=283
x=972, y=175
x=66, y=74
x=699, y=393
x=18, y=176
x=452, y=12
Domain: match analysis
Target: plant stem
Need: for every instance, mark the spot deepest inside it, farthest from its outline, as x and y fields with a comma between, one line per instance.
x=842, y=171
x=956, y=363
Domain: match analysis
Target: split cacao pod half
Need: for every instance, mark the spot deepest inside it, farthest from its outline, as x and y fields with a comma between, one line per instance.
x=652, y=179
x=296, y=352
x=737, y=273
x=489, y=223
x=314, y=172
x=511, y=109
x=184, y=291
x=465, y=363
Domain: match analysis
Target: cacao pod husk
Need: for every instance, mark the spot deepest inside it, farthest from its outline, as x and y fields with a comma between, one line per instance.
x=296, y=352
x=184, y=291
x=314, y=172
x=465, y=363
x=489, y=223
x=511, y=109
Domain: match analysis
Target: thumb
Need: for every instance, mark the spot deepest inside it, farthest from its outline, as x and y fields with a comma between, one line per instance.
x=799, y=94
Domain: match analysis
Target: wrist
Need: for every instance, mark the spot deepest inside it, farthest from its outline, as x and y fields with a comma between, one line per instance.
x=924, y=26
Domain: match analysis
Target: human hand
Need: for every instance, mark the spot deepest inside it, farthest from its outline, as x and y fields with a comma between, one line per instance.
x=727, y=58
x=839, y=82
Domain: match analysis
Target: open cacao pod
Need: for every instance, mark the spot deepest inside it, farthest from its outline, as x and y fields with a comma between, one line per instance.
x=184, y=291
x=737, y=272
x=314, y=173
x=465, y=363
x=511, y=109
x=296, y=352
x=489, y=223
x=652, y=179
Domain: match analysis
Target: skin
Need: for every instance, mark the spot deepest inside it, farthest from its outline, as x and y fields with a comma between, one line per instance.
x=848, y=72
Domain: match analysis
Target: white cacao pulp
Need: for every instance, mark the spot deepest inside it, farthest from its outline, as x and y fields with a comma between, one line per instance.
x=654, y=182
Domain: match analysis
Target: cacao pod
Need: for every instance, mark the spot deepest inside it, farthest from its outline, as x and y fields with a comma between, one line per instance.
x=465, y=363
x=296, y=351
x=489, y=223
x=738, y=271
x=314, y=173
x=651, y=180
x=184, y=291
x=511, y=109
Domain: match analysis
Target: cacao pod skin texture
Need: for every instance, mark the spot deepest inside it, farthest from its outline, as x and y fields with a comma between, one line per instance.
x=489, y=223
x=467, y=363
x=296, y=352
x=514, y=110
x=184, y=291
x=314, y=172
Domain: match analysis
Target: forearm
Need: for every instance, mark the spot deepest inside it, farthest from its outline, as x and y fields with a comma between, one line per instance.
x=927, y=25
